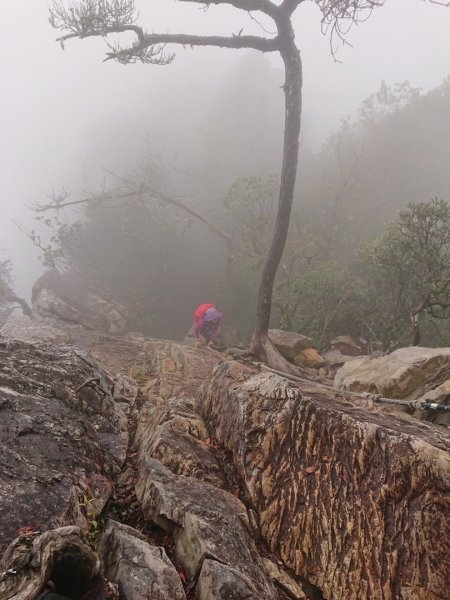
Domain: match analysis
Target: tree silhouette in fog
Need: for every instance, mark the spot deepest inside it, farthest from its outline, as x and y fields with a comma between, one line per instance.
x=88, y=18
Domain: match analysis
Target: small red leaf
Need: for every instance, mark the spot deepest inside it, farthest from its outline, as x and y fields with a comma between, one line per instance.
x=182, y=575
x=24, y=530
x=310, y=469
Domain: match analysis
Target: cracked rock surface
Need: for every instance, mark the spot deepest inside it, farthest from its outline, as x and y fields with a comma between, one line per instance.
x=244, y=484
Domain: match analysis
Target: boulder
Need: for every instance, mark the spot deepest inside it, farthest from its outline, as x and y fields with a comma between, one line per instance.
x=349, y=346
x=62, y=438
x=335, y=358
x=406, y=373
x=356, y=502
x=206, y=523
x=141, y=571
x=289, y=343
x=310, y=358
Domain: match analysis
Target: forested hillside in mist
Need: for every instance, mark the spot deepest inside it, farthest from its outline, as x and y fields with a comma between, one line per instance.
x=160, y=239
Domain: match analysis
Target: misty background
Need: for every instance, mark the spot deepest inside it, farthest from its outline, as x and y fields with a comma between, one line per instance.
x=212, y=116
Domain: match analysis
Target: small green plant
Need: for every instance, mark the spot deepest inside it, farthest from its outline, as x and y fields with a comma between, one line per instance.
x=92, y=529
x=140, y=373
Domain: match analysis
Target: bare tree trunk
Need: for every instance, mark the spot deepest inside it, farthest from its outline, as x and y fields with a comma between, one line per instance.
x=414, y=316
x=415, y=324
x=261, y=345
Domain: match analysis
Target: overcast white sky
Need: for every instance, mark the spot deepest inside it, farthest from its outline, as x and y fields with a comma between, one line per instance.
x=54, y=104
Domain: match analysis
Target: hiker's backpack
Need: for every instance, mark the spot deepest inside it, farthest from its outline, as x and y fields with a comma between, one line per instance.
x=200, y=311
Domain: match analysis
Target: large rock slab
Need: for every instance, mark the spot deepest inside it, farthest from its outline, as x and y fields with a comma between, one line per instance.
x=180, y=370
x=174, y=433
x=406, y=373
x=356, y=502
x=206, y=522
x=141, y=571
x=62, y=437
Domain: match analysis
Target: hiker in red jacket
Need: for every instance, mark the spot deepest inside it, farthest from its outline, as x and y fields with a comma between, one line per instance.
x=207, y=321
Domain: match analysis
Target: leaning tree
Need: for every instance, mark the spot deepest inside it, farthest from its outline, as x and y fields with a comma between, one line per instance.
x=88, y=18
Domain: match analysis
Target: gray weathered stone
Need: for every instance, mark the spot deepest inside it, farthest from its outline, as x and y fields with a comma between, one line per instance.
x=206, y=522
x=406, y=373
x=171, y=431
x=142, y=571
x=218, y=581
x=60, y=442
x=289, y=343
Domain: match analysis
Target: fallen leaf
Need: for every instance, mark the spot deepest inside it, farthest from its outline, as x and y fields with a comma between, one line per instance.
x=24, y=530
x=182, y=575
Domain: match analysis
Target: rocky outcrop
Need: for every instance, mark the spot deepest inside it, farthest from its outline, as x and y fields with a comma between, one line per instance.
x=174, y=433
x=140, y=570
x=406, y=373
x=206, y=523
x=354, y=502
x=180, y=370
x=63, y=437
x=245, y=484
x=180, y=486
x=62, y=296
x=415, y=373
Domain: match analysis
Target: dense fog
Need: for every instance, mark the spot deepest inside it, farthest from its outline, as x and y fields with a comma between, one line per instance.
x=207, y=130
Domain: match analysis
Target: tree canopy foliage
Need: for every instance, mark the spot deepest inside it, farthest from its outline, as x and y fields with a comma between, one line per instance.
x=87, y=18
x=412, y=260
x=139, y=249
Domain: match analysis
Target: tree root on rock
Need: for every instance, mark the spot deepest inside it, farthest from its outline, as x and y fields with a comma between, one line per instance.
x=263, y=351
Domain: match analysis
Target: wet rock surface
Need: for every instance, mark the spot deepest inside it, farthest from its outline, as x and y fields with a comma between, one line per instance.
x=238, y=483
x=355, y=502
x=206, y=522
x=141, y=571
x=62, y=437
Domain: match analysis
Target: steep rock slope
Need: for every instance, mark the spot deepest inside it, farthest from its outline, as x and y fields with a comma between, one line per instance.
x=254, y=485
x=354, y=501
